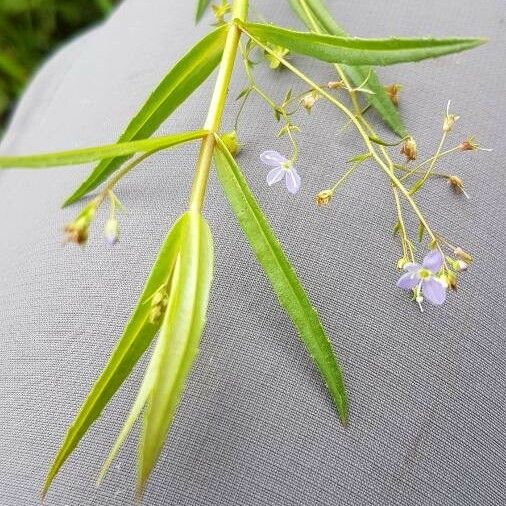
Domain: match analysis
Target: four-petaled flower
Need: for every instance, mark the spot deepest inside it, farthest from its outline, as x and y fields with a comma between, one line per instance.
x=283, y=168
x=423, y=279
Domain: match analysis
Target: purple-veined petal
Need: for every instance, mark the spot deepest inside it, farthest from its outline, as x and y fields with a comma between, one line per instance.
x=434, y=291
x=275, y=175
x=292, y=180
x=408, y=281
x=412, y=266
x=273, y=158
x=433, y=261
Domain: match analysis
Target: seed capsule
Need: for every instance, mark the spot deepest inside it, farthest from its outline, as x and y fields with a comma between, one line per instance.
x=409, y=149
x=323, y=198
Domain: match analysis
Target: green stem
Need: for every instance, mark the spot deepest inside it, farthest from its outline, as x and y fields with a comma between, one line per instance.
x=120, y=173
x=213, y=121
x=253, y=86
x=424, y=178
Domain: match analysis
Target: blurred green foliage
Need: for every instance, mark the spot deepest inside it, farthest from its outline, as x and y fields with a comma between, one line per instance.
x=30, y=30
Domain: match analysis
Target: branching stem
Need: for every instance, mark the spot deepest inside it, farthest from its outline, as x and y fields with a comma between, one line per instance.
x=358, y=125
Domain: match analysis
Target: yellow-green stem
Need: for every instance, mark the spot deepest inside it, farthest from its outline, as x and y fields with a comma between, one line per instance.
x=213, y=120
x=119, y=174
x=424, y=178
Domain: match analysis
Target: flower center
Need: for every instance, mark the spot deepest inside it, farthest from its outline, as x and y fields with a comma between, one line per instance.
x=286, y=165
x=424, y=274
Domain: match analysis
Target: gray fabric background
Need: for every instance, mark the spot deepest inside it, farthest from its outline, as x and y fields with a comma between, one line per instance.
x=427, y=392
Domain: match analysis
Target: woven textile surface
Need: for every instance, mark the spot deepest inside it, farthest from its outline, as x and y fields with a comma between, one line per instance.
x=256, y=426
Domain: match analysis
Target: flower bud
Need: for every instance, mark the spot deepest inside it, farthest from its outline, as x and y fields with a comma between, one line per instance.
x=451, y=280
x=393, y=93
x=462, y=265
x=323, y=198
x=220, y=11
x=111, y=231
x=457, y=185
x=230, y=140
x=309, y=100
x=463, y=255
x=335, y=85
x=409, y=149
x=159, y=303
x=77, y=230
x=401, y=263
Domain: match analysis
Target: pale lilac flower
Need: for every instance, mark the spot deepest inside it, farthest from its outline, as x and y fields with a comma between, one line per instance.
x=423, y=280
x=283, y=168
x=111, y=231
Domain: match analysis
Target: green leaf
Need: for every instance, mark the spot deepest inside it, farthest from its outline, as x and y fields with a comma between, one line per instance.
x=139, y=403
x=357, y=74
x=136, y=337
x=202, y=6
x=109, y=151
x=179, y=338
x=181, y=81
x=355, y=51
x=284, y=281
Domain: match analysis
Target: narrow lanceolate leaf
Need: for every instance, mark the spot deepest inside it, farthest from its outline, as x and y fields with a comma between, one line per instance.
x=179, y=339
x=140, y=401
x=85, y=155
x=284, y=281
x=202, y=6
x=316, y=17
x=355, y=51
x=136, y=337
x=181, y=81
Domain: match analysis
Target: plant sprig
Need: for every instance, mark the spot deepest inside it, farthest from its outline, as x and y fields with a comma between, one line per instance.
x=174, y=301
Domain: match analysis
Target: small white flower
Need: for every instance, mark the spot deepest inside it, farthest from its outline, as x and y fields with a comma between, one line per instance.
x=283, y=168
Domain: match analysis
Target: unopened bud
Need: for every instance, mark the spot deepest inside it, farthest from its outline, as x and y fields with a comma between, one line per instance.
x=457, y=185
x=111, y=231
x=220, y=11
x=393, y=93
x=401, y=263
x=159, y=303
x=230, y=140
x=77, y=230
x=451, y=280
x=462, y=265
x=449, y=121
x=309, y=100
x=323, y=198
x=463, y=255
x=334, y=85
x=409, y=149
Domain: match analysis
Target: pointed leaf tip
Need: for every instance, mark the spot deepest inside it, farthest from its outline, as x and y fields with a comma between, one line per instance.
x=202, y=6
x=179, y=339
x=280, y=273
x=137, y=335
